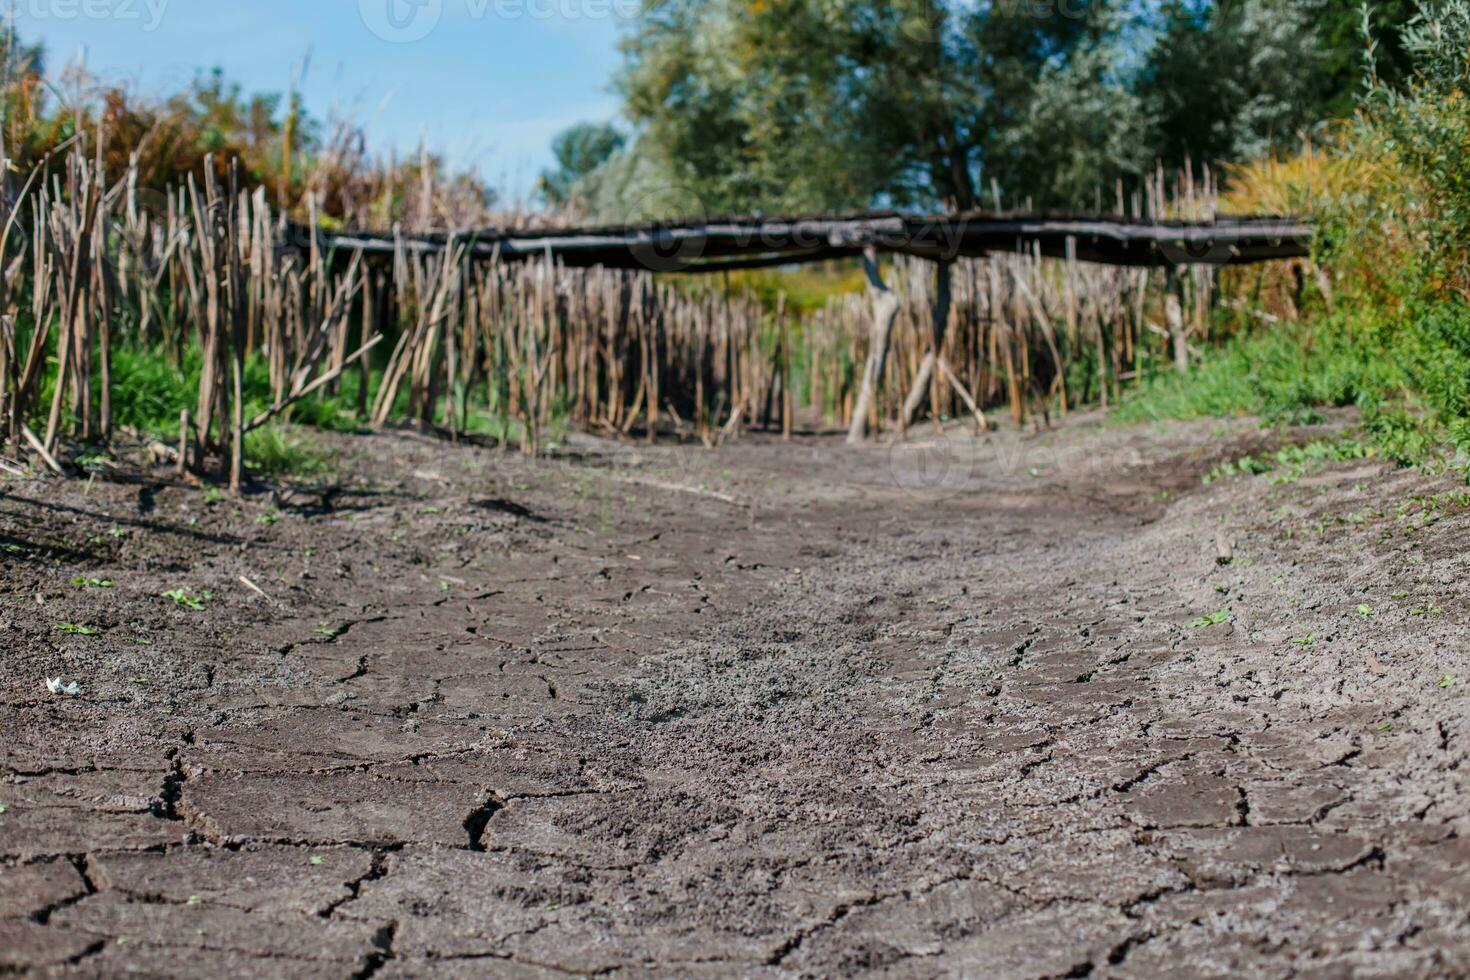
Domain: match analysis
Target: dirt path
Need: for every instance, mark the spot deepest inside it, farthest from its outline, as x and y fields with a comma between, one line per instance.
x=777, y=710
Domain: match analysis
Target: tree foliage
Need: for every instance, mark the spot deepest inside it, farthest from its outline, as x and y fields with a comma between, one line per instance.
x=811, y=104
x=1230, y=81
x=578, y=151
x=1425, y=125
x=828, y=103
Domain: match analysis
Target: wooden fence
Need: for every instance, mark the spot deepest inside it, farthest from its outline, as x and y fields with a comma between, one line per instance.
x=575, y=326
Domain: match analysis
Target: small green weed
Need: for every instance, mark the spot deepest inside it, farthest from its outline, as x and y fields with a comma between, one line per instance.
x=183, y=598
x=1213, y=619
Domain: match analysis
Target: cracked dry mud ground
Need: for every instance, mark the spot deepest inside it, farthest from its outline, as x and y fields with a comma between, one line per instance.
x=779, y=710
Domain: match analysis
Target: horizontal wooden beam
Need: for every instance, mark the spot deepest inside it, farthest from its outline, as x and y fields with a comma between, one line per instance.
x=722, y=244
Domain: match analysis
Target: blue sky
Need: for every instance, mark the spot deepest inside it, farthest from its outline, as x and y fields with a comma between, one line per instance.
x=487, y=82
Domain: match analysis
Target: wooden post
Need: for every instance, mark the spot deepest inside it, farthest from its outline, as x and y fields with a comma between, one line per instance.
x=787, y=402
x=1174, y=313
x=235, y=282
x=924, y=381
x=1071, y=279
x=1006, y=332
x=185, y=438
x=885, y=311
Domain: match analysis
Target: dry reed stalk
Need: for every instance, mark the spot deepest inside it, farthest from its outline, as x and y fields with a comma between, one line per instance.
x=206, y=267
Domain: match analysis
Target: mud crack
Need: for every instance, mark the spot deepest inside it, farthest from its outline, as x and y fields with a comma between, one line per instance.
x=382, y=951
x=479, y=817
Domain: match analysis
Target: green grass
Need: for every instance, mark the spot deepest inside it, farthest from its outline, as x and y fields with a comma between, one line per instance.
x=149, y=391
x=1292, y=462
x=286, y=449
x=1282, y=375
x=1409, y=376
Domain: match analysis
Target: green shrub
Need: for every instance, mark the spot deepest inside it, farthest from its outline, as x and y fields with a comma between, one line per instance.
x=1283, y=374
x=148, y=391
x=1394, y=225
x=280, y=450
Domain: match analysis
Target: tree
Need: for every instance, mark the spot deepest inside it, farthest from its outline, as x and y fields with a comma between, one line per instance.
x=579, y=151
x=1232, y=80
x=636, y=184
x=752, y=108
x=811, y=104
x=1340, y=29
x=1080, y=128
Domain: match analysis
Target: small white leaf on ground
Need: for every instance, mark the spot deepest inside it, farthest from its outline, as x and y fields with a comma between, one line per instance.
x=55, y=686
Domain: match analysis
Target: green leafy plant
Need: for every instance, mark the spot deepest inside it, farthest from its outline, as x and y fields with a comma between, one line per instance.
x=1212, y=619
x=184, y=598
x=279, y=449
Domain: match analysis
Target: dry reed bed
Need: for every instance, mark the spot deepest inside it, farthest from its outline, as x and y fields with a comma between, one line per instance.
x=89, y=264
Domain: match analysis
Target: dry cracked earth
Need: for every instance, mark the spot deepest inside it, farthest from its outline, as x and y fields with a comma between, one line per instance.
x=984, y=708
